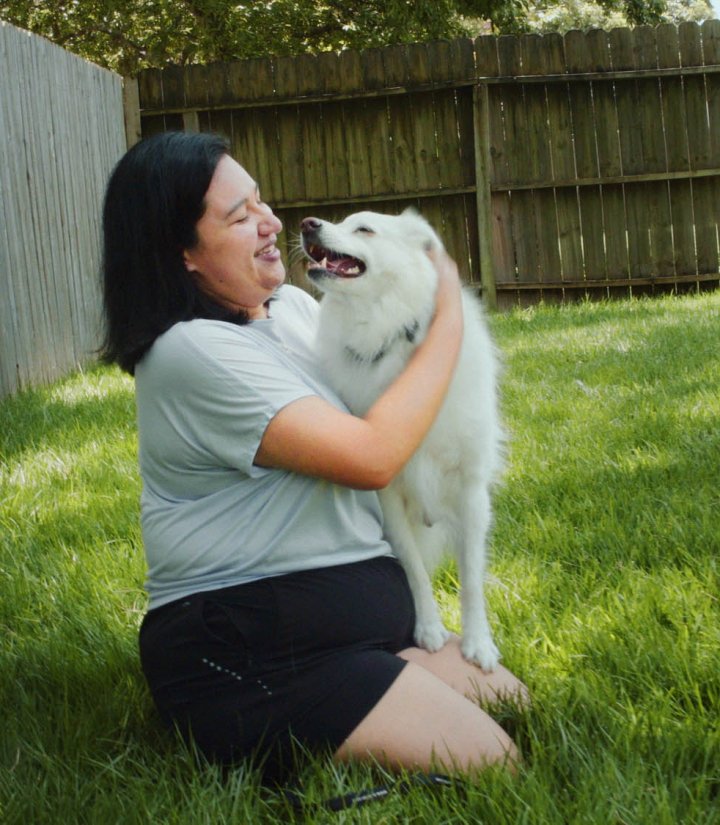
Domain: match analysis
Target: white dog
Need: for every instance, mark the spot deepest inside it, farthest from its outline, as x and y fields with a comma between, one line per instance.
x=379, y=297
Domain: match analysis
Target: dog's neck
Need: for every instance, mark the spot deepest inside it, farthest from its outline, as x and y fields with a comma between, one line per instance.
x=408, y=332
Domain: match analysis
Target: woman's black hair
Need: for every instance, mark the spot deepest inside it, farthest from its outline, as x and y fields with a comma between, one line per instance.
x=154, y=199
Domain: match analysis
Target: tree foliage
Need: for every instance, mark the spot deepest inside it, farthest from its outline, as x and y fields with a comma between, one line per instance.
x=548, y=15
x=127, y=35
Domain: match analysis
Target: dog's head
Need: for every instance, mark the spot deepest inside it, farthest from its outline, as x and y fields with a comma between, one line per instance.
x=368, y=253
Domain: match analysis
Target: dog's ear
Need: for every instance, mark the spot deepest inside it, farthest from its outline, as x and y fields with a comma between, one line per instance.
x=418, y=227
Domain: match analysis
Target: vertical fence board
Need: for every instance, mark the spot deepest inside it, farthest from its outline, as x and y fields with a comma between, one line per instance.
x=217, y=85
x=711, y=54
x=629, y=106
x=460, y=226
x=650, y=119
x=519, y=170
x=356, y=148
x=539, y=160
x=373, y=140
x=445, y=169
x=674, y=122
x=195, y=81
x=395, y=66
x=585, y=129
x=419, y=64
x=609, y=161
x=704, y=192
x=291, y=156
x=409, y=155
x=562, y=141
x=350, y=120
x=333, y=148
x=493, y=166
x=447, y=159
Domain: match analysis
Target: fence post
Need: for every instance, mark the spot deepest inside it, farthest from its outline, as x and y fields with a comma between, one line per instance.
x=131, y=108
x=191, y=121
x=483, y=194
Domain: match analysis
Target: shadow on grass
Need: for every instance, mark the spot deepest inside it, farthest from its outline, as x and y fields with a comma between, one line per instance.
x=62, y=415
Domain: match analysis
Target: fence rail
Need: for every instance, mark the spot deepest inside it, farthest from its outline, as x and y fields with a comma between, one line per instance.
x=61, y=129
x=583, y=164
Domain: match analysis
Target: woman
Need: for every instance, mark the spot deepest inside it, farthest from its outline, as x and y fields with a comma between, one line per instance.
x=277, y=612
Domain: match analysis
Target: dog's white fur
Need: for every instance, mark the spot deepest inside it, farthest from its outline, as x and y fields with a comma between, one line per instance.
x=442, y=499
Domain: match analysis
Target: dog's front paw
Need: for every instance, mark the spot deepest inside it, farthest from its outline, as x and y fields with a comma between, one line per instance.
x=431, y=636
x=481, y=651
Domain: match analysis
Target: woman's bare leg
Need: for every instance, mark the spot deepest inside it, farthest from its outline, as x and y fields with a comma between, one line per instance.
x=424, y=724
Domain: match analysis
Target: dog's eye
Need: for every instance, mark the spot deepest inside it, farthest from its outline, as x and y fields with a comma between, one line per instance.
x=365, y=229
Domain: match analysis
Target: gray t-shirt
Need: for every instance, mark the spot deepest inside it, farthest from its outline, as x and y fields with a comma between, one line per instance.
x=205, y=392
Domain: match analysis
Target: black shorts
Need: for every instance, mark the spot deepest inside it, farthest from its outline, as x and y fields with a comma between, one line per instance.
x=300, y=658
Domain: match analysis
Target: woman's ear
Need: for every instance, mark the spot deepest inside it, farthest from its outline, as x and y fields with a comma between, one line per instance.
x=188, y=261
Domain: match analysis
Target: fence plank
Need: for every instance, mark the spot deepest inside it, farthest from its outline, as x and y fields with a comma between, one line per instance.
x=419, y=64
x=409, y=169
x=711, y=53
x=482, y=227
x=657, y=199
x=629, y=106
x=452, y=118
x=566, y=263
x=678, y=153
x=446, y=161
x=519, y=170
x=372, y=144
x=291, y=153
x=499, y=220
x=585, y=130
x=433, y=164
x=704, y=192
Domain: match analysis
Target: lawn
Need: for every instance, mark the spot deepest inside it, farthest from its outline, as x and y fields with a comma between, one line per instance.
x=604, y=594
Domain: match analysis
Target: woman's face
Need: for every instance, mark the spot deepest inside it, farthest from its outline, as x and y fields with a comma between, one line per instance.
x=235, y=260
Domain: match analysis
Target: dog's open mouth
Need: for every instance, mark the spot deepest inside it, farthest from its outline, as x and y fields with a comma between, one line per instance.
x=336, y=263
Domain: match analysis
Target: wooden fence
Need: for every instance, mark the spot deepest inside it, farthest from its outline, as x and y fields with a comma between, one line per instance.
x=552, y=166
x=61, y=130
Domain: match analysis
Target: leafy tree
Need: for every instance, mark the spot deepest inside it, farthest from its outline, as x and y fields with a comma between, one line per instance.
x=127, y=35
x=547, y=15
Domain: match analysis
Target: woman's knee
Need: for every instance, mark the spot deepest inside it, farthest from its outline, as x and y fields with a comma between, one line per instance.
x=422, y=723
x=466, y=678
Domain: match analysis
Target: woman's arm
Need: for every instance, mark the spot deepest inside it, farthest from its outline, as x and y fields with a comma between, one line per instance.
x=312, y=437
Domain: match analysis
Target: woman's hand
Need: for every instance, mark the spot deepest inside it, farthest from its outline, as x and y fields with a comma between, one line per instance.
x=449, y=285
x=313, y=437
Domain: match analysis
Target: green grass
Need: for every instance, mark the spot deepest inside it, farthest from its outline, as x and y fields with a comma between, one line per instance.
x=604, y=594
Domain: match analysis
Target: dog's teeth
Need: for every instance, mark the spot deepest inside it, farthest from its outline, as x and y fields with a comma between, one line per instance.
x=323, y=263
x=354, y=270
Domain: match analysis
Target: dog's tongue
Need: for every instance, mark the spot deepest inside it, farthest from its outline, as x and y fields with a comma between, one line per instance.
x=345, y=267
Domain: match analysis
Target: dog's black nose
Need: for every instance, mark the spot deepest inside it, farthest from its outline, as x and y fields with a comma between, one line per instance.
x=310, y=224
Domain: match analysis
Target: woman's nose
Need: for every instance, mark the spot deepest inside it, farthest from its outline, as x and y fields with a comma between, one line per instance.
x=271, y=223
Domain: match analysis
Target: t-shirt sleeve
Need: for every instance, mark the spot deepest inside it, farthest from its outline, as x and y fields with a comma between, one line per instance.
x=227, y=389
